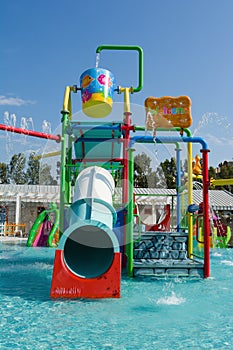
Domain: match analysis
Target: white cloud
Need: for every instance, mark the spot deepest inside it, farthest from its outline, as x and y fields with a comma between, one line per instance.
x=214, y=140
x=14, y=101
x=219, y=141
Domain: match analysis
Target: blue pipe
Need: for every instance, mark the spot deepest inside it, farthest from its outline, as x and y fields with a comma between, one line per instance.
x=168, y=139
x=96, y=127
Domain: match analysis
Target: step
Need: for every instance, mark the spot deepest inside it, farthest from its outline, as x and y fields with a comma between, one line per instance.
x=168, y=267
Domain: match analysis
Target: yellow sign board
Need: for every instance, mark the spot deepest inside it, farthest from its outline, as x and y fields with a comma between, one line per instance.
x=168, y=112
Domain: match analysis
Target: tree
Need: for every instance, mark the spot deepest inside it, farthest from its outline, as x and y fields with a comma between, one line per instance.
x=226, y=172
x=45, y=175
x=143, y=174
x=33, y=170
x=169, y=171
x=118, y=177
x=212, y=173
x=3, y=173
x=15, y=169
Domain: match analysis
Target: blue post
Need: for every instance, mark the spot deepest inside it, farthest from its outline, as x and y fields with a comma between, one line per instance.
x=178, y=184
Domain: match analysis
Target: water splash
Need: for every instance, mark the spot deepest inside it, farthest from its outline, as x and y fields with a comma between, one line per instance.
x=227, y=262
x=13, y=119
x=46, y=127
x=97, y=60
x=8, y=144
x=6, y=118
x=9, y=119
x=27, y=123
x=216, y=254
x=30, y=123
x=23, y=123
x=210, y=119
x=172, y=299
x=150, y=121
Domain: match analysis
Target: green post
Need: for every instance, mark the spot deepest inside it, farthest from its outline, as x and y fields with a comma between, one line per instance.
x=130, y=217
x=69, y=170
x=63, y=184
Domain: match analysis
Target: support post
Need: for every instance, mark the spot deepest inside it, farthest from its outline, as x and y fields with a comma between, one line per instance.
x=190, y=199
x=63, y=173
x=178, y=184
x=206, y=213
x=127, y=125
x=130, y=218
x=18, y=212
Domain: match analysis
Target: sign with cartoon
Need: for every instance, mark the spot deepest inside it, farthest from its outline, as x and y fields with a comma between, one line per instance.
x=168, y=112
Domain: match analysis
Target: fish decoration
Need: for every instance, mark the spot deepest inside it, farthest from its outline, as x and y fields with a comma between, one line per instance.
x=86, y=81
x=104, y=80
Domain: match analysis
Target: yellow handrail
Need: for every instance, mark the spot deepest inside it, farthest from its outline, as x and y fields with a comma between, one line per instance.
x=221, y=182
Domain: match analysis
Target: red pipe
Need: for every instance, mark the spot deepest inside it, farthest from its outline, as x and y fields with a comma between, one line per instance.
x=41, y=135
x=206, y=213
x=128, y=127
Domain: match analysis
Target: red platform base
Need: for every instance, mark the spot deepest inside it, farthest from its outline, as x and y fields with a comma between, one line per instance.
x=67, y=285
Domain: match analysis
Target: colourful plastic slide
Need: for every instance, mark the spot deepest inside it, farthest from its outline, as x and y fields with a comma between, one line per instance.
x=43, y=231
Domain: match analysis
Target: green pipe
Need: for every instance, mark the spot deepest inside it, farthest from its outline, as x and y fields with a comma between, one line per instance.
x=68, y=169
x=130, y=215
x=85, y=165
x=140, y=59
x=143, y=128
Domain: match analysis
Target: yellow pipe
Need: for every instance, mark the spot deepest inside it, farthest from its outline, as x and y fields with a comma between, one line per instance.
x=182, y=204
x=126, y=98
x=221, y=182
x=70, y=108
x=190, y=199
x=66, y=101
x=47, y=155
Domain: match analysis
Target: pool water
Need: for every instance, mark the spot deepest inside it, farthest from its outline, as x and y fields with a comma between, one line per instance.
x=151, y=314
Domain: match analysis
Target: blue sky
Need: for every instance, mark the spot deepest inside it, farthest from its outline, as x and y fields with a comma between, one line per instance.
x=188, y=50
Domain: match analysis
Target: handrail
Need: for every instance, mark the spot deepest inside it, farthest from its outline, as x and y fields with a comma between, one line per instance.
x=221, y=182
x=10, y=229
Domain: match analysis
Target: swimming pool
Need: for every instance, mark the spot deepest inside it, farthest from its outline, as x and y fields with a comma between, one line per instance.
x=151, y=314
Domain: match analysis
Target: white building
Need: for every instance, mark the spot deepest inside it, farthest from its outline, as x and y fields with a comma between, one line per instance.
x=21, y=204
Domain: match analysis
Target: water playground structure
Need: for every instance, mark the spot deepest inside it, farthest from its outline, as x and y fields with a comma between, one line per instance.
x=97, y=241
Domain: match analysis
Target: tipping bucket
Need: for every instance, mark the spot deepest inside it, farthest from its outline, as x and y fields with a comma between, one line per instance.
x=97, y=88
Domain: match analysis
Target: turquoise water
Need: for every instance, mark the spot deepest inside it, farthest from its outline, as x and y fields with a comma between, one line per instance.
x=151, y=314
